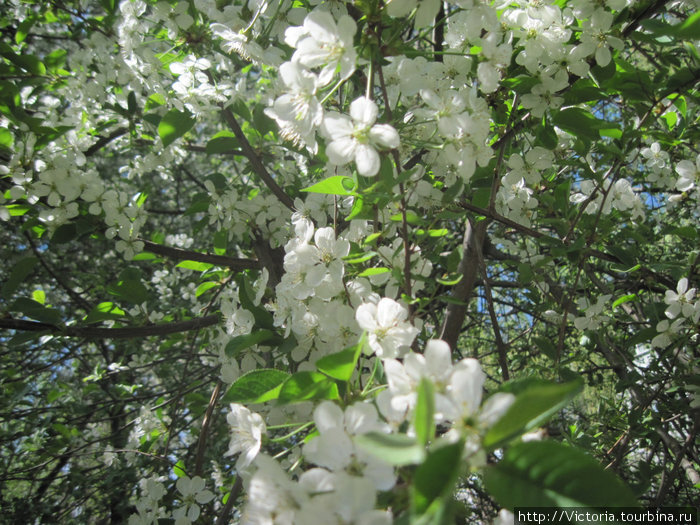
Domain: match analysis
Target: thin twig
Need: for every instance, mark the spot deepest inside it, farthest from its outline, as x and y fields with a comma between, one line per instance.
x=255, y=162
x=186, y=255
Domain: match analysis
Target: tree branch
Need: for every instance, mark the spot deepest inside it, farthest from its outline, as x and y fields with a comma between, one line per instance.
x=127, y=332
x=257, y=165
x=187, y=255
x=500, y=346
x=468, y=266
x=103, y=141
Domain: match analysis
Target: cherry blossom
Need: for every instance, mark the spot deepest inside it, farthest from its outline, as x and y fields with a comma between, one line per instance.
x=358, y=137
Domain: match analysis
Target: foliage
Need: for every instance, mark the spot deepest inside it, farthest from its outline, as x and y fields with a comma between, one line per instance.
x=347, y=262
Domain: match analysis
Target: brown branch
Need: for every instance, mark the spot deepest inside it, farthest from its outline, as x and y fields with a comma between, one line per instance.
x=468, y=265
x=127, y=332
x=203, y=149
x=255, y=162
x=103, y=141
x=647, y=12
x=187, y=255
x=232, y=497
x=681, y=460
x=500, y=346
x=532, y=233
x=206, y=423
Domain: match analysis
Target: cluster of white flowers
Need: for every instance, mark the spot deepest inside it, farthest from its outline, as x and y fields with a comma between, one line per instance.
x=463, y=124
x=657, y=162
x=680, y=309
x=320, y=43
x=594, y=313
x=193, y=89
x=620, y=196
x=689, y=178
x=312, y=293
x=458, y=392
x=334, y=459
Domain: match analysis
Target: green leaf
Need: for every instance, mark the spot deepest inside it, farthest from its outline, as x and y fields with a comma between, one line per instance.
x=6, y=138
x=306, y=385
x=411, y=218
x=687, y=232
x=689, y=29
x=240, y=109
x=222, y=142
x=532, y=406
x=253, y=386
x=614, y=133
x=424, y=413
x=174, y=125
x=37, y=311
x=200, y=203
x=154, y=101
x=395, y=449
x=241, y=342
x=583, y=90
x=342, y=364
x=179, y=469
x=103, y=312
x=220, y=242
x=547, y=136
x=132, y=105
x=129, y=287
x=194, y=265
x=263, y=124
x=436, y=476
x=550, y=474
x=39, y=296
x=17, y=210
x=64, y=233
x=373, y=271
x=355, y=258
x=581, y=123
x=54, y=60
x=335, y=185
x=20, y=271
x=30, y=63
x=624, y=299
x=23, y=29
x=204, y=287
x=263, y=318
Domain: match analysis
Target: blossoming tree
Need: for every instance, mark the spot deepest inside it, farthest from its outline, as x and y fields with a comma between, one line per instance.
x=340, y=262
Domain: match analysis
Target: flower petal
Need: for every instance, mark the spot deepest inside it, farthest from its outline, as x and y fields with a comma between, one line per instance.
x=367, y=160
x=384, y=135
x=341, y=151
x=363, y=111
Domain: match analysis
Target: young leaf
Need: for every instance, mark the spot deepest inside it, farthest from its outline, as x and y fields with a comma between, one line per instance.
x=424, y=413
x=241, y=342
x=174, y=125
x=303, y=386
x=436, y=476
x=251, y=386
x=335, y=185
x=340, y=365
x=395, y=449
x=129, y=287
x=194, y=265
x=36, y=311
x=103, y=312
x=550, y=474
x=20, y=272
x=222, y=142
x=532, y=407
